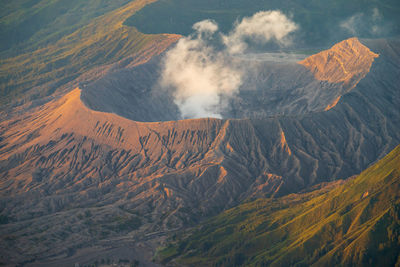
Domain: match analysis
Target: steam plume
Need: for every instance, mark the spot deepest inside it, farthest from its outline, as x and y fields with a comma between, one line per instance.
x=200, y=74
x=370, y=24
x=203, y=77
x=262, y=27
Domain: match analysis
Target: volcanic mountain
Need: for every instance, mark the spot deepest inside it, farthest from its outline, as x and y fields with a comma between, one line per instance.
x=269, y=88
x=77, y=181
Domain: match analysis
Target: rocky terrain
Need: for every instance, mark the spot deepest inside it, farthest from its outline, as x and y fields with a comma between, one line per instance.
x=353, y=223
x=74, y=177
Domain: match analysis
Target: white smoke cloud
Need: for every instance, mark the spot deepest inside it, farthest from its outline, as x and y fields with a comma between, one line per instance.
x=262, y=27
x=376, y=18
x=206, y=26
x=376, y=14
x=351, y=24
x=203, y=77
x=361, y=24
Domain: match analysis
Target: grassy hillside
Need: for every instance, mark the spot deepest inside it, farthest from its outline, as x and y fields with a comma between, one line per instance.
x=353, y=224
x=319, y=20
x=55, y=61
x=27, y=24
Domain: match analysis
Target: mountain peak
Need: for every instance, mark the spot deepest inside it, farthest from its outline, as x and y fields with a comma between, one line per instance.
x=348, y=62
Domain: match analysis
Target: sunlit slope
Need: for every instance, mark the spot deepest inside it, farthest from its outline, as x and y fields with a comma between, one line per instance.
x=356, y=223
x=349, y=61
x=104, y=40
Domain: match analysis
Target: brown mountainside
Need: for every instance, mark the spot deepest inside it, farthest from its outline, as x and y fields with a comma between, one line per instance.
x=347, y=61
x=72, y=178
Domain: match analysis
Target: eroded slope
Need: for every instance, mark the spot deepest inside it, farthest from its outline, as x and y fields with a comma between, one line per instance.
x=356, y=223
x=346, y=62
x=65, y=157
x=108, y=177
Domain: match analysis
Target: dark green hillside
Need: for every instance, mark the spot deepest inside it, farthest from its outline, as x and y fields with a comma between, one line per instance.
x=319, y=20
x=356, y=223
x=27, y=24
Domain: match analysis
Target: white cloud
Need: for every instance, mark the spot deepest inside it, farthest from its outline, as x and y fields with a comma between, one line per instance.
x=361, y=24
x=351, y=24
x=205, y=26
x=204, y=78
x=376, y=14
x=262, y=27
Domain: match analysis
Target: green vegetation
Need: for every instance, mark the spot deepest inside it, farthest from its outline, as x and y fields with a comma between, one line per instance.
x=27, y=24
x=319, y=20
x=353, y=224
x=49, y=43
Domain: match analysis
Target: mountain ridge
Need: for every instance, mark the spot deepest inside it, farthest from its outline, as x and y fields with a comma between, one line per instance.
x=103, y=40
x=344, y=62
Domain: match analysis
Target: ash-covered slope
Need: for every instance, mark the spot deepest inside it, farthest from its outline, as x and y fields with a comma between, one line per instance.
x=75, y=180
x=273, y=88
x=132, y=92
x=269, y=87
x=65, y=159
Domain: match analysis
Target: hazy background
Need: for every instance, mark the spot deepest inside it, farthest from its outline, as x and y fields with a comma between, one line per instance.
x=321, y=22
